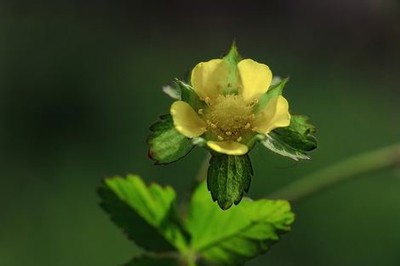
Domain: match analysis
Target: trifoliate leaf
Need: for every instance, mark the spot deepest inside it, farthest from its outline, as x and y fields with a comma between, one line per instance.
x=236, y=235
x=273, y=91
x=152, y=261
x=294, y=141
x=145, y=213
x=228, y=178
x=166, y=144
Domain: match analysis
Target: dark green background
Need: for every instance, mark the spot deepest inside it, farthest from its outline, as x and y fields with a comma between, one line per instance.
x=80, y=84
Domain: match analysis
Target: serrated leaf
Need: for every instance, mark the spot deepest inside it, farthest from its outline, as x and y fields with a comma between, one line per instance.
x=236, y=235
x=145, y=213
x=294, y=141
x=166, y=144
x=274, y=91
x=152, y=261
x=303, y=130
x=275, y=145
x=228, y=178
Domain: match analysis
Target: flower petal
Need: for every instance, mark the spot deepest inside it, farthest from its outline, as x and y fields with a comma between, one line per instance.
x=275, y=114
x=256, y=78
x=186, y=120
x=208, y=78
x=228, y=147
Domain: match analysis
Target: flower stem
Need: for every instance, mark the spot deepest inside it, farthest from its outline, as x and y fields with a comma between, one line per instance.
x=372, y=161
x=200, y=176
x=202, y=172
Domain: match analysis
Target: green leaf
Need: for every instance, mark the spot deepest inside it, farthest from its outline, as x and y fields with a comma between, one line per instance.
x=145, y=213
x=277, y=146
x=151, y=261
x=273, y=91
x=236, y=235
x=294, y=141
x=166, y=144
x=228, y=178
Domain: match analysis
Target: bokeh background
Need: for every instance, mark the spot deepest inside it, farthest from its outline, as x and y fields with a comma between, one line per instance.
x=80, y=82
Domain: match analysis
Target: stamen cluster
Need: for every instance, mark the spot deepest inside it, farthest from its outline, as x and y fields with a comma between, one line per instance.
x=228, y=117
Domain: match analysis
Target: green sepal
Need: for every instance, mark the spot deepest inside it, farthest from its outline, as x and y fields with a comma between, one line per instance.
x=146, y=214
x=182, y=91
x=272, y=92
x=228, y=178
x=294, y=141
x=189, y=95
x=231, y=59
x=152, y=260
x=166, y=144
x=173, y=91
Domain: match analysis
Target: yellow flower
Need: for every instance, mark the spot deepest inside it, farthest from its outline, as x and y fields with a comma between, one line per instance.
x=230, y=116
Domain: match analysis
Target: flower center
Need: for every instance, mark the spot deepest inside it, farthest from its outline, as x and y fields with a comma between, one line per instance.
x=229, y=116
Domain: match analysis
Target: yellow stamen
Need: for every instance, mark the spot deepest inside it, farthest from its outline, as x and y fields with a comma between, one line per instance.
x=229, y=116
x=254, y=102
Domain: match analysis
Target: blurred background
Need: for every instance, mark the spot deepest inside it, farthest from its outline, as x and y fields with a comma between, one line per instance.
x=80, y=83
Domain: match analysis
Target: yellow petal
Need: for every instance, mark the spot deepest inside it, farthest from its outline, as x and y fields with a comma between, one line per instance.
x=228, y=147
x=275, y=114
x=255, y=77
x=208, y=78
x=186, y=120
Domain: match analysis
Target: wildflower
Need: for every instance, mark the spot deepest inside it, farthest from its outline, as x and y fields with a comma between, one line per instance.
x=228, y=106
x=231, y=115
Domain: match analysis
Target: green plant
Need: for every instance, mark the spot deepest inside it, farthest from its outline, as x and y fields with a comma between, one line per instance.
x=202, y=232
x=202, y=235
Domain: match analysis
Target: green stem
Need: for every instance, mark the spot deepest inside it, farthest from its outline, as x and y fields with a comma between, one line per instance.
x=200, y=176
x=202, y=172
x=376, y=160
x=190, y=257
